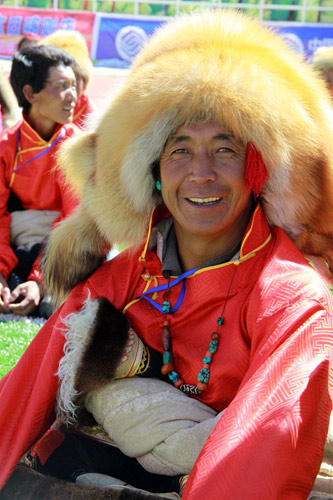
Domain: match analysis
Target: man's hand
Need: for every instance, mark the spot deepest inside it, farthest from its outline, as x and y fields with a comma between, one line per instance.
x=4, y=295
x=32, y=295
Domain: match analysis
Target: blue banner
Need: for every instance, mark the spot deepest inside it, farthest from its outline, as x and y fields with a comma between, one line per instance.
x=119, y=39
x=307, y=38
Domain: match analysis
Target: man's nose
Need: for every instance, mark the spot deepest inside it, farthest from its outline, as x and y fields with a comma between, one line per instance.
x=202, y=167
x=71, y=93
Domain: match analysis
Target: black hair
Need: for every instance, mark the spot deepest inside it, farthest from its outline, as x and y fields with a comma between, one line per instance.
x=155, y=171
x=31, y=67
x=26, y=41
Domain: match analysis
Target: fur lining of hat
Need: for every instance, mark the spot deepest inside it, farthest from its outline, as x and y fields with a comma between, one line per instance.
x=76, y=248
x=75, y=45
x=214, y=66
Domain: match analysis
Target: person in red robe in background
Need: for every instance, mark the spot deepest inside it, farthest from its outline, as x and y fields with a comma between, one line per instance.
x=74, y=43
x=33, y=195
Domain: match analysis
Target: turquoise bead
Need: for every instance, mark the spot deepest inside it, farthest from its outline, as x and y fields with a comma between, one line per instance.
x=220, y=320
x=173, y=376
x=213, y=346
x=166, y=307
x=167, y=357
x=204, y=375
x=207, y=360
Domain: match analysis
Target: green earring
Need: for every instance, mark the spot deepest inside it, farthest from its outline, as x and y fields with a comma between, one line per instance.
x=158, y=185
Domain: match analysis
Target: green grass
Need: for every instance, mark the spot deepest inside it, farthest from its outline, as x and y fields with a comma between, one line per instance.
x=15, y=337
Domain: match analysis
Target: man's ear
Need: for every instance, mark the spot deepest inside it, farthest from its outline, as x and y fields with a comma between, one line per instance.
x=29, y=94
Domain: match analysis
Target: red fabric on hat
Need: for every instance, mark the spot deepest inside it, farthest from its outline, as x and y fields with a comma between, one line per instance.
x=255, y=171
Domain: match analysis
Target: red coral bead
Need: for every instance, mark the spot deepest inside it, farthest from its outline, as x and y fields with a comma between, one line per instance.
x=166, y=368
x=178, y=383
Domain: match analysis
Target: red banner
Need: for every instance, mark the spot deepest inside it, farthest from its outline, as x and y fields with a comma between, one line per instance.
x=17, y=22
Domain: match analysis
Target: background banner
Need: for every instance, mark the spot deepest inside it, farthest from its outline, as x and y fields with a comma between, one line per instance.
x=16, y=22
x=115, y=39
x=307, y=39
x=118, y=39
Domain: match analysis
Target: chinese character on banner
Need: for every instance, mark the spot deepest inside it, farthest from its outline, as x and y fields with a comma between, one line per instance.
x=49, y=25
x=3, y=19
x=68, y=23
x=31, y=24
x=16, y=22
x=14, y=25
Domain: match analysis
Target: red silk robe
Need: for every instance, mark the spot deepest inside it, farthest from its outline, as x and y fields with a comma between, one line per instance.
x=272, y=370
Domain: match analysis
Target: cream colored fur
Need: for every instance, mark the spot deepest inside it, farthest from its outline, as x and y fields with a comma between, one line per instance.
x=77, y=332
x=78, y=159
x=76, y=247
x=218, y=66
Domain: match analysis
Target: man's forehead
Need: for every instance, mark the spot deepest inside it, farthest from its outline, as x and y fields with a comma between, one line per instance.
x=210, y=130
x=61, y=71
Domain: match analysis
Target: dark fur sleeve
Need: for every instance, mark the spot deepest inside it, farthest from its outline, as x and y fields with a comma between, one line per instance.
x=109, y=336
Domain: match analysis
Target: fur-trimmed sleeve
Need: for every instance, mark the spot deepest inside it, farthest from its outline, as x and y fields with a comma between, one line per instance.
x=96, y=337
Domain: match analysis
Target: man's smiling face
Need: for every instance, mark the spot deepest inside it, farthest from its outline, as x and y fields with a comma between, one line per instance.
x=202, y=175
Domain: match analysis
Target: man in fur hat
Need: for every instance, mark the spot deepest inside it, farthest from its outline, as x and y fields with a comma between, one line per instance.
x=219, y=172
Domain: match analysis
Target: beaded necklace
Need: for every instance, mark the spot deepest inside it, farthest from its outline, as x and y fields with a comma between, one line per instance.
x=168, y=368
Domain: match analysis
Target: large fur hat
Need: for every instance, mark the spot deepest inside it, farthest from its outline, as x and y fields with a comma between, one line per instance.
x=218, y=66
x=75, y=45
